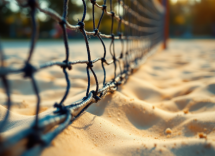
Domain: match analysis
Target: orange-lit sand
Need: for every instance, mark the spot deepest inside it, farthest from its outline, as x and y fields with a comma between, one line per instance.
x=166, y=108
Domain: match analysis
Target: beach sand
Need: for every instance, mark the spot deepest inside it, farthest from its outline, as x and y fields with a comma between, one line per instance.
x=167, y=107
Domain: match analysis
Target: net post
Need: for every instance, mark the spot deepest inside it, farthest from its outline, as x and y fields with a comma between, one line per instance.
x=166, y=23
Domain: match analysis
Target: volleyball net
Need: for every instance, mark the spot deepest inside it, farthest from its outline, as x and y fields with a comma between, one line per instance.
x=139, y=27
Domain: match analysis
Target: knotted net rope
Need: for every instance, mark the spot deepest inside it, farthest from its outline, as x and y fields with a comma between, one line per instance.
x=139, y=29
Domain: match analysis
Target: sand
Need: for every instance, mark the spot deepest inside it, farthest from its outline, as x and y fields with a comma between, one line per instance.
x=166, y=108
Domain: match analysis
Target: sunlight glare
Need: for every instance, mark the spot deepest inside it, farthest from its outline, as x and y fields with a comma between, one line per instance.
x=174, y=1
x=14, y=6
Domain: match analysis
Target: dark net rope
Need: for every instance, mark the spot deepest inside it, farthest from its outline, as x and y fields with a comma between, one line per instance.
x=139, y=28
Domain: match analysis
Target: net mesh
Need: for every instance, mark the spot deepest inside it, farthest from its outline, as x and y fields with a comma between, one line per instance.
x=139, y=29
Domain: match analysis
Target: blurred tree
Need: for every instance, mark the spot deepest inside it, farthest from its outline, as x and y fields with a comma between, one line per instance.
x=204, y=17
x=14, y=23
x=192, y=17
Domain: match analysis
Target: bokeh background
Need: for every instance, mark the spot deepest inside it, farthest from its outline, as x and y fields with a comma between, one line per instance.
x=192, y=18
x=188, y=19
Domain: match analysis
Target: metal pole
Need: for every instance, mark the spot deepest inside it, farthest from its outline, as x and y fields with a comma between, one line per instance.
x=166, y=23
